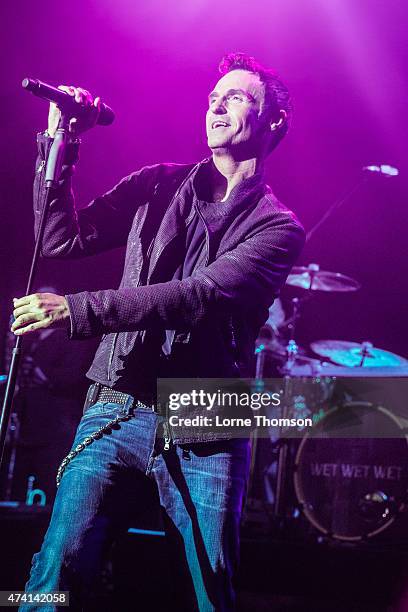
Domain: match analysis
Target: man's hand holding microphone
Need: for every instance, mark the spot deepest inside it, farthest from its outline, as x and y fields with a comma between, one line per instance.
x=88, y=112
x=41, y=310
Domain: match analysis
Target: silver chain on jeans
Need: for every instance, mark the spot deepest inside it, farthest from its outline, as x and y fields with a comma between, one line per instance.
x=87, y=441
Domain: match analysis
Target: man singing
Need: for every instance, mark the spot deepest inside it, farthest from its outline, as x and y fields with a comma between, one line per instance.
x=208, y=250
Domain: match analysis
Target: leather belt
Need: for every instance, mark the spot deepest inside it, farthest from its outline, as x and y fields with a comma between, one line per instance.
x=106, y=394
x=102, y=393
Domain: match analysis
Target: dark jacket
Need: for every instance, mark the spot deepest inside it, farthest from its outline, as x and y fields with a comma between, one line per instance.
x=251, y=245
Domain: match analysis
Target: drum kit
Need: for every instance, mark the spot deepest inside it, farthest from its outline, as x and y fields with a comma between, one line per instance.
x=348, y=488
x=331, y=354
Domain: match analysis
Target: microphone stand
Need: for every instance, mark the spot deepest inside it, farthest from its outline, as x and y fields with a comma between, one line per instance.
x=54, y=163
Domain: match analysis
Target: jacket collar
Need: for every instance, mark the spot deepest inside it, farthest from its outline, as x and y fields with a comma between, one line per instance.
x=243, y=195
x=215, y=215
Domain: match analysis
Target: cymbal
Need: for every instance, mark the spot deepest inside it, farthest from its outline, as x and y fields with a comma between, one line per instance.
x=353, y=354
x=312, y=278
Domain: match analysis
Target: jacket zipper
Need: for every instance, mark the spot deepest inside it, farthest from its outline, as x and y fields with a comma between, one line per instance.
x=115, y=337
x=150, y=249
x=41, y=166
x=112, y=351
x=195, y=169
x=166, y=429
x=167, y=437
x=234, y=342
x=207, y=236
x=39, y=171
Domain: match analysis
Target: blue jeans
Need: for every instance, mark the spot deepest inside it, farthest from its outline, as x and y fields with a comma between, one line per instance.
x=200, y=490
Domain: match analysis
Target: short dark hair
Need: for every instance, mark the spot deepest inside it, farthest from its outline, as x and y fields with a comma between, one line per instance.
x=277, y=96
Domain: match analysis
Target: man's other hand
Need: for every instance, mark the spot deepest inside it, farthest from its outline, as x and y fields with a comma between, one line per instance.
x=38, y=311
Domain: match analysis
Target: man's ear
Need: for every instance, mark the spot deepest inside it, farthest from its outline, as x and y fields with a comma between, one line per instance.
x=277, y=124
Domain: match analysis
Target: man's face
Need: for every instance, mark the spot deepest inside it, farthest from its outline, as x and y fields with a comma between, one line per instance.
x=233, y=118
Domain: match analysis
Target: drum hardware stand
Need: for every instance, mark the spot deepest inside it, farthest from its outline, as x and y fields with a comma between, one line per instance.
x=292, y=354
x=281, y=473
x=365, y=351
x=251, y=504
x=292, y=350
x=297, y=304
x=54, y=163
x=292, y=357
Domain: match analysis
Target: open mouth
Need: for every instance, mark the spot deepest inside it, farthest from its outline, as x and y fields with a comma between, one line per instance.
x=219, y=124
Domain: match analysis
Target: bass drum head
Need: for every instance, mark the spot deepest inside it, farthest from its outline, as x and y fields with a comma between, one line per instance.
x=352, y=488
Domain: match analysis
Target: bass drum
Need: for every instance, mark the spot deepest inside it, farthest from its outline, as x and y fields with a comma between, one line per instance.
x=353, y=488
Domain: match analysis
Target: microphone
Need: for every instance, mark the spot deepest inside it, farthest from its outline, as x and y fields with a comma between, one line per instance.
x=64, y=100
x=383, y=169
